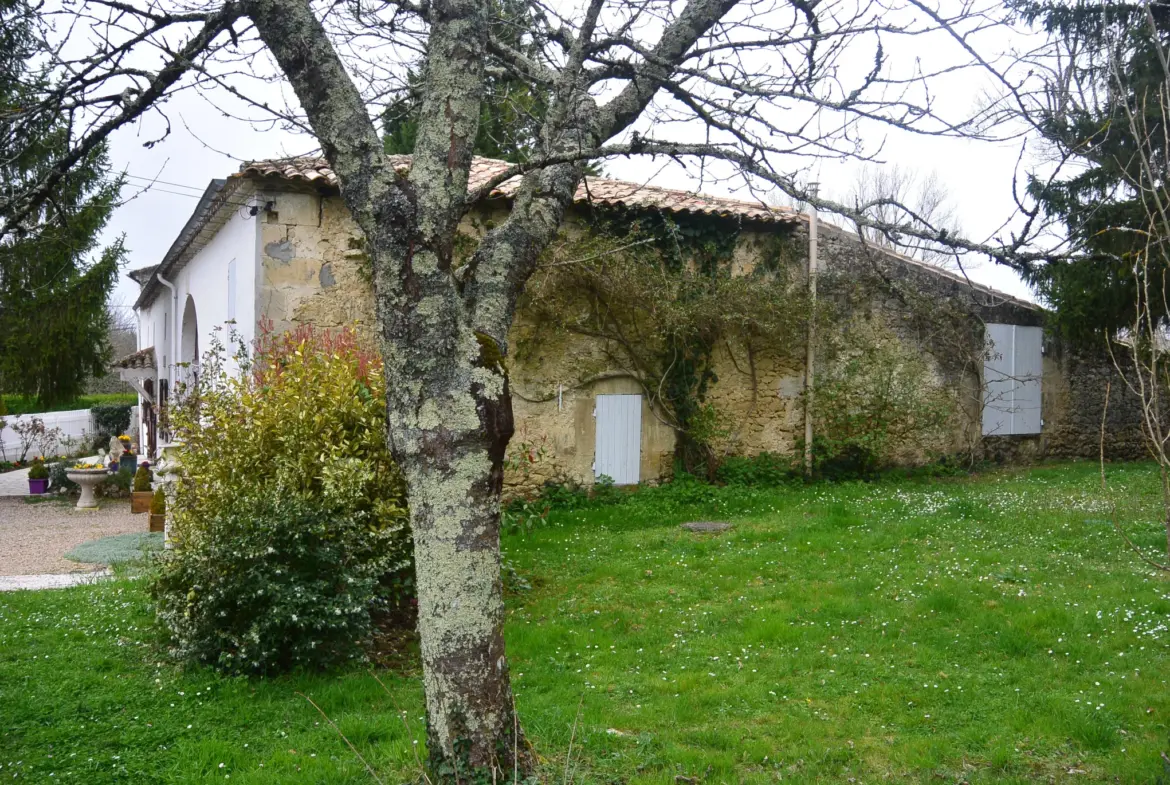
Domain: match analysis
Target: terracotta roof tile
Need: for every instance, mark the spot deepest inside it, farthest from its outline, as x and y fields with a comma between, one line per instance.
x=594, y=190
x=143, y=359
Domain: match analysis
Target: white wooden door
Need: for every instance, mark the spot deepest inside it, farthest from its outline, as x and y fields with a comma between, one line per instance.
x=618, y=450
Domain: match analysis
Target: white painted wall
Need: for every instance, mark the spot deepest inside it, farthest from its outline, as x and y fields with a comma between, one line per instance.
x=76, y=423
x=205, y=278
x=154, y=327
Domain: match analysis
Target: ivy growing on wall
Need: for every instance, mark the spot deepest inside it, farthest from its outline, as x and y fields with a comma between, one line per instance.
x=658, y=294
x=901, y=372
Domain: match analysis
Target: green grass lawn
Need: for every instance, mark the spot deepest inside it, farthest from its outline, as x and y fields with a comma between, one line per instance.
x=969, y=630
x=16, y=404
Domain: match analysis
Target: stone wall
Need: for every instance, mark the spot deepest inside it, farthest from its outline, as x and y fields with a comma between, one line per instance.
x=1074, y=377
x=314, y=270
x=759, y=397
x=937, y=313
x=561, y=427
x=1079, y=397
x=312, y=266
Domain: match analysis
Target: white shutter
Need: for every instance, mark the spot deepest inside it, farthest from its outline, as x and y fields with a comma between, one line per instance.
x=618, y=448
x=1028, y=370
x=1011, y=380
x=997, y=382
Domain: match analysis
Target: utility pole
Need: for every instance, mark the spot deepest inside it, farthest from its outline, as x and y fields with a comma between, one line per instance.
x=810, y=352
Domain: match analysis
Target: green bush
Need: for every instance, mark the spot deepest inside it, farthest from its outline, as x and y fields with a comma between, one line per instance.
x=38, y=471
x=117, y=485
x=565, y=496
x=764, y=469
x=604, y=491
x=877, y=404
x=99, y=440
x=142, y=479
x=274, y=581
x=158, y=503
x=112, y=419
x=286, y=478
x=59, y=481
x=19, y=404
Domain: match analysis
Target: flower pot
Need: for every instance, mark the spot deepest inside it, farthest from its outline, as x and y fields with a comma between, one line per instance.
x=158, y=522
x=128, y=462
x=37, y=487
x=140, y=501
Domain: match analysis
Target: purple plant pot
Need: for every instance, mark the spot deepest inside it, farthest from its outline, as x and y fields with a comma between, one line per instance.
x=37, y=487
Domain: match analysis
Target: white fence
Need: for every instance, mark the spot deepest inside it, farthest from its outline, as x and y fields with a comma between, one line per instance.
x=75, y=424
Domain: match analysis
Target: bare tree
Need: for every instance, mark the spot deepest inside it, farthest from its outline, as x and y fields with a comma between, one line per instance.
x=893, y=195
x=743, y=89
x=1146, y=111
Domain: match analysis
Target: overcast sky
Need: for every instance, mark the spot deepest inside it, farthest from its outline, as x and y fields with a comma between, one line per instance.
x=204, y=144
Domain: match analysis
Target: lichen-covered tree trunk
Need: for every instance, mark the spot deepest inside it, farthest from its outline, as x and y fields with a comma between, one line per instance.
x=448, y=409
x=454, y=485
x=444, y=330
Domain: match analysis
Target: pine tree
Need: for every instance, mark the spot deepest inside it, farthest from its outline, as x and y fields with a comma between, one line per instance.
x=512, y=110
x=54, y=282
x=1094, y=291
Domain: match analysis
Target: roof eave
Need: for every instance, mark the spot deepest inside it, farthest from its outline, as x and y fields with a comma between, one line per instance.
x=213, y=198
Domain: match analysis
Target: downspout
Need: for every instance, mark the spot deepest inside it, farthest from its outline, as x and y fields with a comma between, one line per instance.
x=810, y=352
x=174, y=325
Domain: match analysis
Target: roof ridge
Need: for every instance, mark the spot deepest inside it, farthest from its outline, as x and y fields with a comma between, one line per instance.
x=592, y=189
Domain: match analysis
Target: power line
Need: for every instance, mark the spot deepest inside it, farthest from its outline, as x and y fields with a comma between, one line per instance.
x=163, y=182
x=151, y=188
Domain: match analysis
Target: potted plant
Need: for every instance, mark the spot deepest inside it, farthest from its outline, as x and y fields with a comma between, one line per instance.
x=127, y=460
x=141, y=495
x=38, y=478
x=158, y=512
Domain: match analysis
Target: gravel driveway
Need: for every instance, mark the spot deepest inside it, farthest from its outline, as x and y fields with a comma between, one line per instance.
x=34, y=538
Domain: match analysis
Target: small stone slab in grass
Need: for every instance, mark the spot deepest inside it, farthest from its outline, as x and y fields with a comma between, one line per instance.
x=712, y=527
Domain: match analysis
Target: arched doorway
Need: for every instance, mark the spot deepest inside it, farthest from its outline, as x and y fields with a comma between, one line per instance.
x=189, y=343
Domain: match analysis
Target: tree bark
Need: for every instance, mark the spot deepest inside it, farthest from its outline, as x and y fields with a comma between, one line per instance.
x=455, y=481
x=448, y=409
x=444, y=330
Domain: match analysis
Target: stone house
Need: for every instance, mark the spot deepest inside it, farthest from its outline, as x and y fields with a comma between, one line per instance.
x=275, y=242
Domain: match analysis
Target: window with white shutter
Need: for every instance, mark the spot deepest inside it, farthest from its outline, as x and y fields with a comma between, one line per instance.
x=1011, y=380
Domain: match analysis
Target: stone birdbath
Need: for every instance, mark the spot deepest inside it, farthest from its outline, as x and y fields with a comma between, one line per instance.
x=88, y=479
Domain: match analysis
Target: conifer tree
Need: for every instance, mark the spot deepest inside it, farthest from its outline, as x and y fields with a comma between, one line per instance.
x=512, y=108
x=1114, y=71
x=54, y=281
